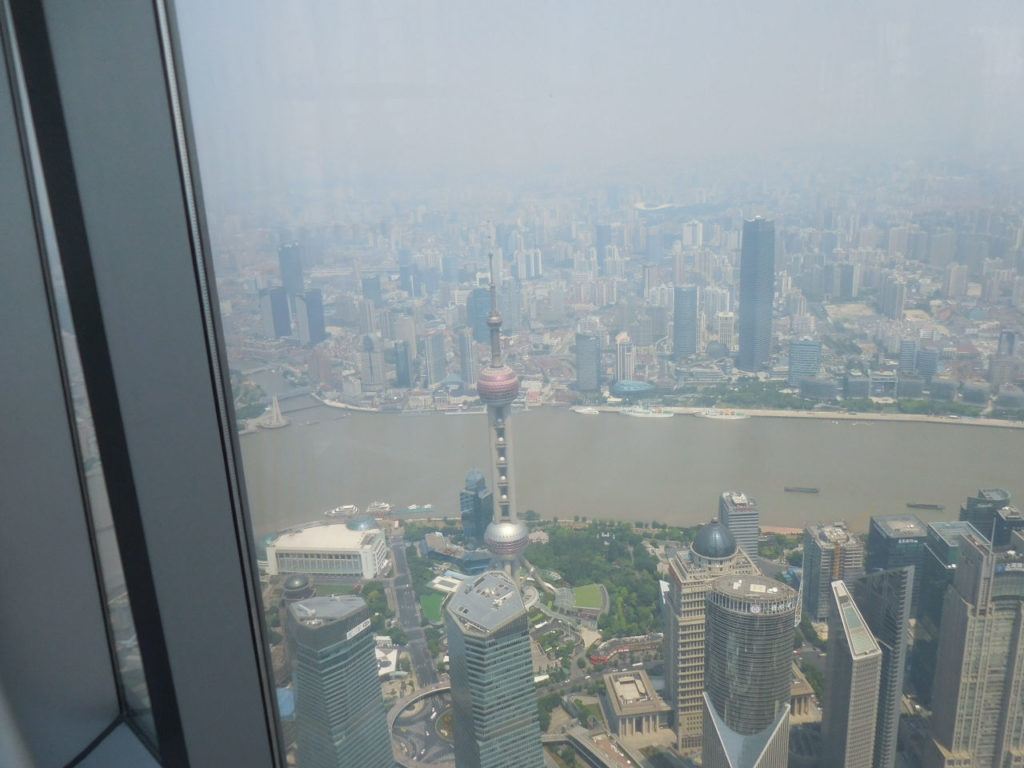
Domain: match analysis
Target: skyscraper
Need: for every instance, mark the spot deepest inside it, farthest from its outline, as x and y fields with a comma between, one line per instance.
x=494, y=705
x=403, y=364
x=804, y=360
x=685, y=325
x=289, y=260
x=892, y=297
x=883, y=599
x=831, y=552
x=625, y=358
x=340, y=715
x=371, y=364
x=274, y=313
x=982, y=510
x=740, y=514
x=748, y=672
x=467, y=358
x=478, y=305
x=851, y=696
x=588, y=362
x=506, y=537
x=713, y=554
x=978, y=709
x=895, y=541
x=435, y=355
x=757, y=293
x=309, y=312
x=476, y=507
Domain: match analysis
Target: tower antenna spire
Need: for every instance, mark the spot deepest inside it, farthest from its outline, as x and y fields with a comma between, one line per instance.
x=494, y=319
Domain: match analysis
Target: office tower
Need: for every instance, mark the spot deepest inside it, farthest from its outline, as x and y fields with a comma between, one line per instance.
x=467, y=358
x=409, y=279
x=726, y=329
x=602, y=241
x=650, y=274
x=371, y=364
x=340, y=716
x=831, y=553
x=511, y=303
x=309, y=311
x=748, y=672
x=588, y=362
x=685, y=326
x=739, y=513
x=757, y=292
x=494, y=705
x=478, y=305
x=977, y=701
x=892, y=298
x=371, y=290
x=804, y=360
x=939, y=566
x=895, y=541
x=625, y=358
x=849, y=281
x=289, y=260
x=404, y=329
x=434, y=353
x=908, y=355
x=883, y=599
x=980, y=511
x=403, y=364
x=713, y=554
x=851, y=697
x=955, y=284
x=476, y=506
x=927, y=362
x=274, y=312
x=1003, y=366
x=506, y=537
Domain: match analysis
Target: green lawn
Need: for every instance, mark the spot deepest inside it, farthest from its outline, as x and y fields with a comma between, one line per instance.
x=588, y=596
x=431, y=605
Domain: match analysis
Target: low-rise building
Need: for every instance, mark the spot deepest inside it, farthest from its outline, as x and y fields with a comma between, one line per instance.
x=330, y=549
x=633, y=708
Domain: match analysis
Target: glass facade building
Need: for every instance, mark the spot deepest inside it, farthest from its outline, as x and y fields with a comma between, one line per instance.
x=757, y=294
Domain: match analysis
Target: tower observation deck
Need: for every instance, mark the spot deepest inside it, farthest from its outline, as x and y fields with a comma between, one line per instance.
x=506, y=537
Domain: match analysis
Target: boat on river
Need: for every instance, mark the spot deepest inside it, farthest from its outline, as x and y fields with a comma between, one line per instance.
x=646, y=413
x=586, y=410
x=916, y=505
x=724, y=415
x=800, y=489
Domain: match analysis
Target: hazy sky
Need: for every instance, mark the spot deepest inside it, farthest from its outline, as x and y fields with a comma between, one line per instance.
x=296, y=94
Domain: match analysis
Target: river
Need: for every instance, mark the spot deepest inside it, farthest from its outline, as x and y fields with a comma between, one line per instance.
x=625, y=468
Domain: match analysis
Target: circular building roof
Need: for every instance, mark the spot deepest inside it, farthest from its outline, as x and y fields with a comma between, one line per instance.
x=714, y=540
x=361, y=523
x=298, y=581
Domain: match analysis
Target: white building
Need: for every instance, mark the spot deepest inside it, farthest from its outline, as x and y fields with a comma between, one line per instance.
x=330, y=549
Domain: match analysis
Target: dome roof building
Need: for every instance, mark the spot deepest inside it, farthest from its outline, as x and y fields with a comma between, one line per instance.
x=714, y=541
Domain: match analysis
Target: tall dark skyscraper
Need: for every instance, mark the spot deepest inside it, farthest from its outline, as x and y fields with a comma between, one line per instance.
x=339, y=712
x=467, y=358
x=274, y=313
x=371, y=290
x=478, y=306
x=435, y=355
x=757, y=292
x=476, y=505
x=748, y=659
x=588, y=362
x=289, y=259
x=309, y=313
x=685, y=324
x=895, y=541
x=403, y=364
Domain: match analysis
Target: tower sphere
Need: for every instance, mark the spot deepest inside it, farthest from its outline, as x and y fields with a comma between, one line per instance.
x=507, y=539
x=497, y=386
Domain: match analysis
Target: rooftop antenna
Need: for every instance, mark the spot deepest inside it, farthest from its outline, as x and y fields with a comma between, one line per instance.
x=494, y=319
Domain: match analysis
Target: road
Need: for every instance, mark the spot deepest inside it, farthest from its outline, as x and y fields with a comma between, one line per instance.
x=409, y=616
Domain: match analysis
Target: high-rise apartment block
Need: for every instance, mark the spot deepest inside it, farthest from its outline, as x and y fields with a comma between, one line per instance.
x=435, y=355
x=494, y=705
x=588, y=362
x=883, y=599
x=625, y=358
x=713, y=554
x=289, y=260
x=309, y=314
x=467, y=358
x=757, y=293
x=741, y=515
x=339, y=712
x=851, y=698
x=748, y=672
x=831, y=553
x=685, y=323
x=895, y=541
x=977, y=701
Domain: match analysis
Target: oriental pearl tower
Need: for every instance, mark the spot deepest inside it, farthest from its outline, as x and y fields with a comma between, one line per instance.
x=506, y=537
